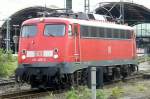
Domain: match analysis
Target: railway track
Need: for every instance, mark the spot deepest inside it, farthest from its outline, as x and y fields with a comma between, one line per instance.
x=26, y=94
x=4, y=82
x=138, y=75
x=33, y=94
x=29, y=94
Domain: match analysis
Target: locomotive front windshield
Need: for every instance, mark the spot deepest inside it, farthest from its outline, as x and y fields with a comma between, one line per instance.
x=54, y=30
x=29, y=30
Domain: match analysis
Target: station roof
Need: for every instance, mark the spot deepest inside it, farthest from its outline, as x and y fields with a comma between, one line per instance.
x=133, y=13
x=17, y=17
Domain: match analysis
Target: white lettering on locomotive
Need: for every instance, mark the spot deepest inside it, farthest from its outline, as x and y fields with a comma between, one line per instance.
x=30, y=54
x=109, y=50
x=48, y=53
x=38, y=53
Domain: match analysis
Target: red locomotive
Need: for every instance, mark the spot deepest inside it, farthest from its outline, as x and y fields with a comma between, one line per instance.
x=59, y=51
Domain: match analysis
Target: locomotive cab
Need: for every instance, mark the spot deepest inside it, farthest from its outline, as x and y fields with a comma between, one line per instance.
x=45, y=45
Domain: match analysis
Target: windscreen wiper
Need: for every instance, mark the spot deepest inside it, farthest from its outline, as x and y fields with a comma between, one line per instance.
x=49, y=34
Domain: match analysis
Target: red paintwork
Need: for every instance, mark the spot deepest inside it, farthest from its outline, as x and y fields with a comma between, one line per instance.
x=87, y=49
x=98, y=49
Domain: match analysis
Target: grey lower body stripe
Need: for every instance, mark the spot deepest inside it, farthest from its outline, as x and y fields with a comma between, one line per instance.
x=71, y=67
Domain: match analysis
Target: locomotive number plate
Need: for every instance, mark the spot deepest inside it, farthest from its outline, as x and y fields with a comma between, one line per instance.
x=45, y=53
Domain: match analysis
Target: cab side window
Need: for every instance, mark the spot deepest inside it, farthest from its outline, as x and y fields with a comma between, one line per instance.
x=70, y=30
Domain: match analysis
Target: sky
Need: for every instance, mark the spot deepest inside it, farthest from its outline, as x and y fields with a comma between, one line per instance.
x=8, y=7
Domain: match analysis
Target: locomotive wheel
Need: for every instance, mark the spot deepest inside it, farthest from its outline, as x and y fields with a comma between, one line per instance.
x=116, y=73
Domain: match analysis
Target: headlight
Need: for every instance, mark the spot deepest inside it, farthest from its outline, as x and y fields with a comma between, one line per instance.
x=55, y=56
x=23, y=57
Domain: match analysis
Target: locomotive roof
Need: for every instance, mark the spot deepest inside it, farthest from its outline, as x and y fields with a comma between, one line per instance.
x=95, y=23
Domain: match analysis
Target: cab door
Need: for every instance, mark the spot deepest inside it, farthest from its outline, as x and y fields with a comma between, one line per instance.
x=73, y=48
x=77, y=42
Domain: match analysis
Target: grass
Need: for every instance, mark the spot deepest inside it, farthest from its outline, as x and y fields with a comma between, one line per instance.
x=85, y=93
x=8, y=63
x=118, y=91
x=142, y=59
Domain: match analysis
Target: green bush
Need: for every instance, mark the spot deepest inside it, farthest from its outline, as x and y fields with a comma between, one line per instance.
x=73, y=94
x=83, y=92
x=101, y=94
x=8, y=63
